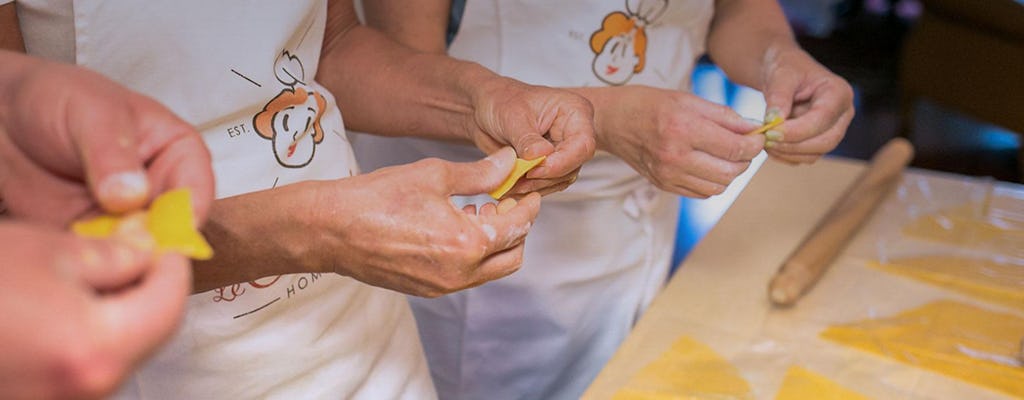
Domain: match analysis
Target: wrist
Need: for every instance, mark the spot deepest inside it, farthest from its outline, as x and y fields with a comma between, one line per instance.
x=479, y=87
x=603, y=100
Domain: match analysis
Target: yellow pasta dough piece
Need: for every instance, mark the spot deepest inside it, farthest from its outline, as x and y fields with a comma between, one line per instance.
x=776, y=121
x=951, y=338
x=981, y=278
x=521, y=168
x=169, y=220
x=688, y=370
x=801, y=384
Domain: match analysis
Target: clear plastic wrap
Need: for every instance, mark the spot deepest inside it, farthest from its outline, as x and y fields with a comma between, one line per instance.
x=926, y=302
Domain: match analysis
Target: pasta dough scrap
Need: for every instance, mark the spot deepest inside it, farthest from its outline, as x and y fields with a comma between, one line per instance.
x=688, y=370
x=999, y=227
x=984, y=279
x=801, y=384
x=954, y=339
x=521, y=168
x=169, y=220
x=767, y=126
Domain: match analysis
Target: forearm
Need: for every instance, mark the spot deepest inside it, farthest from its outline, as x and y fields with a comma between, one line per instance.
x=10, y=32
x=422, y=27
x=256, y=235
x=746, y=36
x=372, y=76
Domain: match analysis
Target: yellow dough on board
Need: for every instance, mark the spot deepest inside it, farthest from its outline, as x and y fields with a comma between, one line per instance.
x=997, y=227
x=801, y=384
x=169, y=221
x=688, y=370
x=521, y=168
x=984, y=279
x=955, y=339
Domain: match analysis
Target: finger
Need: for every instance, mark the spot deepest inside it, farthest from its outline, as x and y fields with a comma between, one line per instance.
x=794, y=158
x=506, y=204
x=107, y=144
x=712, y=169
x=105, y=265
x=573, y=134
x=531, y=145
x=723, y=116
x=702, y=188
x=469, y=209
x=477, y=177
x=506, y=230
x=141, y=318
x=827, y=107
x=525, y=186
x=177, y=156
x=819, y=144
x=500, y=264
x=727, y=145
x=779, y=93
x=488, y=209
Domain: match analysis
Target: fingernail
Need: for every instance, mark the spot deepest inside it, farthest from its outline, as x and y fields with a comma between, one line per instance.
x=773, y=135
x=770, y=144
x=124, y=186
x=771, y=114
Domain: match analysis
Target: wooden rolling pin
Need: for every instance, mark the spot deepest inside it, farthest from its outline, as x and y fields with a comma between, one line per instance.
x=813, y=256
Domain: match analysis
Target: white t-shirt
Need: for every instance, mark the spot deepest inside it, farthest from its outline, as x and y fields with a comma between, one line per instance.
x=242, y=73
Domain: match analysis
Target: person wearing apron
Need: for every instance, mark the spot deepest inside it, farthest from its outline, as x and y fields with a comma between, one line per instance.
x=243, y=73
x=601, y=249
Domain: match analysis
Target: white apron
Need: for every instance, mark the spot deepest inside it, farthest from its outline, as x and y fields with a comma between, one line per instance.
x=599, y=251
x=242, y=72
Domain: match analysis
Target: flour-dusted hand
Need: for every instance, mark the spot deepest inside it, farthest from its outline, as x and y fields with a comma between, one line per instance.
x=395, y=228
x=402, y=231
x=816, y=104
x=73, y=142
x=536, y=121
x=678, y=141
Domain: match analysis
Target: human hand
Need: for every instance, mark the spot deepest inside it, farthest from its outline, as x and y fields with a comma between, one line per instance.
x=816, y=104
x=398, y=228
x=679, y=142
x=536, y=121
x=73, y=142
x=76, y=315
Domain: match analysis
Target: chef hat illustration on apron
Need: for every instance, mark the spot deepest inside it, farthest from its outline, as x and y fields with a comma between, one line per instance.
x=620, y=46
x=291, y=120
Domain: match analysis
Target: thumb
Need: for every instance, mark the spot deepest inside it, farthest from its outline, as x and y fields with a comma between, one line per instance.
x=108, y=147
x=532, y=145
x=482, y=176
x=779, y=93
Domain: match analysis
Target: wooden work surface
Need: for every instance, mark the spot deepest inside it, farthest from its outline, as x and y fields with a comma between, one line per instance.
x=718, y=295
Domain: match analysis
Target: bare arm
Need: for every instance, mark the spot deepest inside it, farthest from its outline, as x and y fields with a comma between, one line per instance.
x=10, y=31
x=745, y=35
x=751, y=41
x=678, y=141
x=420, y=25
x=439, y=97
x=396, y=227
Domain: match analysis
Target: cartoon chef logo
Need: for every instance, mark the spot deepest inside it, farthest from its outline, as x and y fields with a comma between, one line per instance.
x=291, y=120
x=620, y=46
